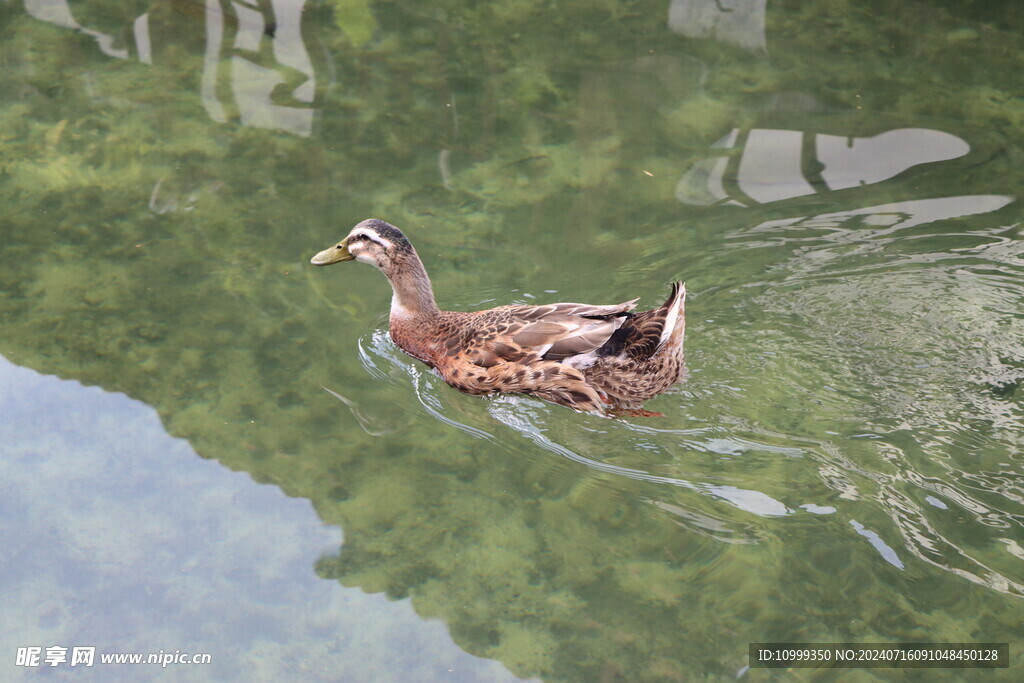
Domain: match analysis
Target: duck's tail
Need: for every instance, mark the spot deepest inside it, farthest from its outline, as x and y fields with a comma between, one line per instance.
x=674, y=307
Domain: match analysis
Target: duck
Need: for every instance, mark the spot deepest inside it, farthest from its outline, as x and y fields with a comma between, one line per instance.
x=603, y=359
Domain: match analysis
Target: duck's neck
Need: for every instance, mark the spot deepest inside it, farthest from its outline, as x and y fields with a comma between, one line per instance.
x=413, y=296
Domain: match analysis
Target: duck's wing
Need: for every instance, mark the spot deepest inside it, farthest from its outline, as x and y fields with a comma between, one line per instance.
x=550, y=332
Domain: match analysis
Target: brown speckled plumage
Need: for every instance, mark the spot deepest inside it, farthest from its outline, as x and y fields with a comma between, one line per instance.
x=591, y=358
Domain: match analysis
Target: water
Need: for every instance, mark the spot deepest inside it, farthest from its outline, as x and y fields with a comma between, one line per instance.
x=838, y=185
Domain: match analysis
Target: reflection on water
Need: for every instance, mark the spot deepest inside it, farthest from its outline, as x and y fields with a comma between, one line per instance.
x=270, y=81
x=772, y=165
x=58, y=13
x=840, y=189
x=871, y=223
x=740, y=22
x=147, y=547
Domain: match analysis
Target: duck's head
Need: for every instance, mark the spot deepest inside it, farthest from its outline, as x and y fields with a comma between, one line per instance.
x=373, y=241
x=383, y=245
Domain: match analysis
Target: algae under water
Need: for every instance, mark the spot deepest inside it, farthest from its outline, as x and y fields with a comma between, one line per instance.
x=837, y=182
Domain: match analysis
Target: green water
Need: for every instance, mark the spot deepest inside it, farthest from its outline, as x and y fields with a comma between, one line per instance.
x=837, y=182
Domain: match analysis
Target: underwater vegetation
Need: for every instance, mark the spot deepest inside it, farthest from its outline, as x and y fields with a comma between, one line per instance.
x=158, y=213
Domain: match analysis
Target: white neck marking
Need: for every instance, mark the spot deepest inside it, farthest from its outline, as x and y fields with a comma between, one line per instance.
x=398, y=310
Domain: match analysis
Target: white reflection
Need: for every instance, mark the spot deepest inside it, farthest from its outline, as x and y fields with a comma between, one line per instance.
x=740, y=22
x=58, y=13
x=289, y=47
x=253, y=85
x=702, y=185
x=1013, y=547
x=888, y=218
x=140, y=29
x=208, y=87
x=850, y=162
x=250, y=28
x=271, y=82
x=818, y=509
x=883, y=548
x=770, y=168
x=776, y=164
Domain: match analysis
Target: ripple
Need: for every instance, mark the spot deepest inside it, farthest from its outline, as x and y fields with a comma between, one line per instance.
x=917, y=326
x=867, y=374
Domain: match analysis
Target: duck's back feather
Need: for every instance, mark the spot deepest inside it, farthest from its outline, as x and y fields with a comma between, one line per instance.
x=551, y=332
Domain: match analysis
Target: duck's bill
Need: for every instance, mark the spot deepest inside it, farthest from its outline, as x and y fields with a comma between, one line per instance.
x=333, y=254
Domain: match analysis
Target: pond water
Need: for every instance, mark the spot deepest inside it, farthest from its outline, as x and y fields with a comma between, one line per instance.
x=210, y=446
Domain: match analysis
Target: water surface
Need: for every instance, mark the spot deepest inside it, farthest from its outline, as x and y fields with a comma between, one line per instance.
x=838, y=186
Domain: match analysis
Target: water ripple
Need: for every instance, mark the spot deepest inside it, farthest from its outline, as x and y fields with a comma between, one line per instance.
x=868, y=373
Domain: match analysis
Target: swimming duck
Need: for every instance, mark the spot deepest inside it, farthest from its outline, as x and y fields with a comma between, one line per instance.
x=586, y=357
